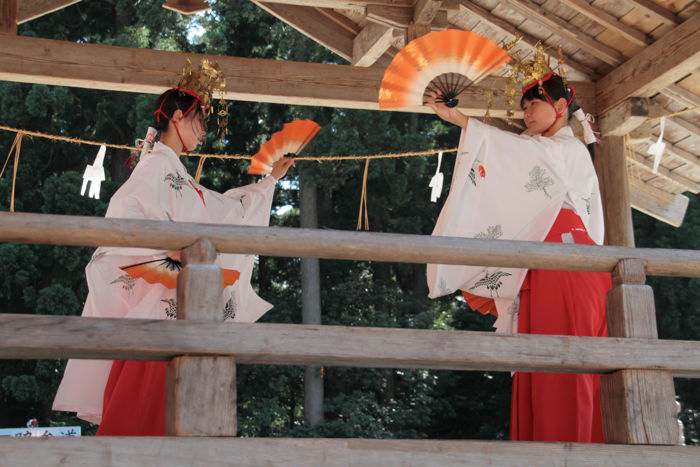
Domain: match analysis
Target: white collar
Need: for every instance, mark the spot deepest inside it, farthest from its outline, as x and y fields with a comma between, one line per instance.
x=165, y=149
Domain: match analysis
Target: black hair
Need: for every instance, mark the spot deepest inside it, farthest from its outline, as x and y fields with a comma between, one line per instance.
x=170, y=101
x=556, y=89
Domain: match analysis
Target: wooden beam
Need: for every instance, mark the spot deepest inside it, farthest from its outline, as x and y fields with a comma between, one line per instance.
x=611, y=167
x=90, y=231
x=33, y=9
x=200, y=390
x=424, y=11
x=624, y=117
x=46, y=61
x=353, y=5
x=642, y=137
x=655, y=11
x=681, y=95
x=657, y=203
x=8, y=16
x=666, y=61
x=608, y=21
x=527, y=40
x=638, y=405
x=26, y=336
x=371, y=43
x=282, y=452
x=647, y=165
x=391, y=16
x=565, y=30
x=690, y=127
x=313, y=24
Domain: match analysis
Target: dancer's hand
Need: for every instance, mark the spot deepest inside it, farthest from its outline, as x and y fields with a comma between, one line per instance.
x=279, y=168
x=450, y=115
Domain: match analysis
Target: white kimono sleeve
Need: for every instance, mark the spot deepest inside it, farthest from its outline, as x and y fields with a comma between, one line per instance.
x=504, y=186
x=247, y=205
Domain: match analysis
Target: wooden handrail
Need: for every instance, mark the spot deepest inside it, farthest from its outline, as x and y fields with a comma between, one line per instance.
x=38, y=337
x=131, y=451
x=276, y=241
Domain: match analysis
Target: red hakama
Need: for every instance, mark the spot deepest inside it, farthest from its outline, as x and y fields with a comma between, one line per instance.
x=556, y=406
x=134, y=399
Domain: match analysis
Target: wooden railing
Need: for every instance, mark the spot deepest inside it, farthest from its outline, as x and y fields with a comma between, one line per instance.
x=638, y=369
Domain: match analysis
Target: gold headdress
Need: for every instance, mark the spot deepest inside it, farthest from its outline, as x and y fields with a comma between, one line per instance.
x=203, y=83
x=526, y=74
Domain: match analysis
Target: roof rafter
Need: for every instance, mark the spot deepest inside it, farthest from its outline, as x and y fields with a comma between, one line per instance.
x=608, y=21
x=527, y=40
x=565, y=30
x=315, y=24
x=372, y=42
x=32, y=9
x=645, y=164
x=664, y=62
x=658, y=203
x=654, y=10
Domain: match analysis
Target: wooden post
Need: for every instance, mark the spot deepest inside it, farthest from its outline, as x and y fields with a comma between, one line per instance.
x=639, y=406
x=311, y=305
x=611, y=167
x=8, y=16
x=200, y=391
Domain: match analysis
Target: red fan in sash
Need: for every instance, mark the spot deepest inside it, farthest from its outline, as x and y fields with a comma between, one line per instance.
x=165, y=270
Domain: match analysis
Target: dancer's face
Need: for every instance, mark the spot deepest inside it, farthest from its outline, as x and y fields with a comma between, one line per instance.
x=540, y=115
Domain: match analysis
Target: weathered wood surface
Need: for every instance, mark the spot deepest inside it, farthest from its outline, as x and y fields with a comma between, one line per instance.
x=32, y=9
x=611, y=167
x=46, y=61
x=314, y=25
x=624, y=117
x=93, y=231
x=639, y=406
x=657, y=203
x=278, y=452
x=8, y=16
x=371, y=43
x=667, y=60
x=200, y=391
x=37, y=337
x=201, y=396
x=200, y=284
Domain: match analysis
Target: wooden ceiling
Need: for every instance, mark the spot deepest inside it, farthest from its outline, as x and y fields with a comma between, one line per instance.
x=613, y=49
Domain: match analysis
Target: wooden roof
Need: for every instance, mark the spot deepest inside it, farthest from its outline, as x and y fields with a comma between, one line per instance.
x=614, y=49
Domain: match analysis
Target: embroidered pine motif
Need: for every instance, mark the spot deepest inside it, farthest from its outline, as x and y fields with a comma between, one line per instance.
x=176, y=181
x=126, y=281
x=171, y=309
x=492, y=282
x=539, y=180
x=492, y=232
x=477, y=169
x=230, y=308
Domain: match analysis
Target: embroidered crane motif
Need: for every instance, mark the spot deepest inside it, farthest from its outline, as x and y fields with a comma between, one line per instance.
x=176, y=181
x=492, y=282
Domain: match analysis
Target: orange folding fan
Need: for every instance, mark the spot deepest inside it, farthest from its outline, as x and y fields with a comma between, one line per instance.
x=446, y=62
x=291, y=139
x=165, y=270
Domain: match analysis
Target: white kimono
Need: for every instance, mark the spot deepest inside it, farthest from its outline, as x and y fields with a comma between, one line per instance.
x=160, y=189
x=512, y=187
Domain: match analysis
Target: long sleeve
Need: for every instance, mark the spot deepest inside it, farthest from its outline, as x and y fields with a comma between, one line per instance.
x=504, y=186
